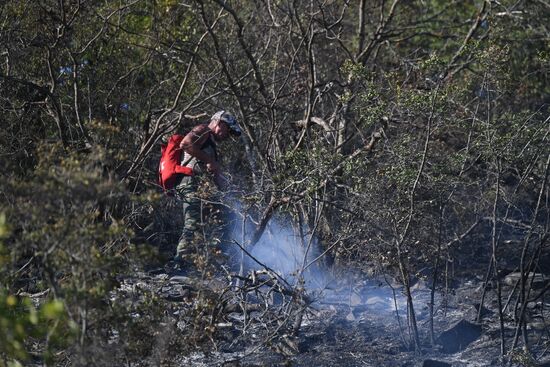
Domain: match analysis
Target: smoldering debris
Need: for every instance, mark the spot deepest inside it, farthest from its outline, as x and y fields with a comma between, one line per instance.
x=299, y=261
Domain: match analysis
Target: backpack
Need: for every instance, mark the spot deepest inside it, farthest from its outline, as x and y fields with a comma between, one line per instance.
x=170, y=170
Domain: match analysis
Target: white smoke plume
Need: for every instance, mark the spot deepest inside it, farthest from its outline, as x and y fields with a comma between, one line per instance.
x=295, y=259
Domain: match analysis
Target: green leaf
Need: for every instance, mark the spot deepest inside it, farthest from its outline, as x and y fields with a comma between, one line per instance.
x=53, y=309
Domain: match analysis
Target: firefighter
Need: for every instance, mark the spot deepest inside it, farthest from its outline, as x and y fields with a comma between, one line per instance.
x=200, y=153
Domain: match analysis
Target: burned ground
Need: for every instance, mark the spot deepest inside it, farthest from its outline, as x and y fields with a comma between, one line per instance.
x=352, y=322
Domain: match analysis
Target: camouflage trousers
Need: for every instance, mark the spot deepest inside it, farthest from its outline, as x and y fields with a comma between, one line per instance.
x=187, y=192
x=205, y=219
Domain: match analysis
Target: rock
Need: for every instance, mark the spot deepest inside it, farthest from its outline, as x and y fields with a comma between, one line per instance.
x=156, y=271
x=355, y=299
x=181, y=279
x=350, y=316
x=161, y=277
x=177, y=297
x=538, y=325
x=375, y=301
x=434, y=363
x=539, y=280
x=459, y=336
x=176, y=294
x=534, y=305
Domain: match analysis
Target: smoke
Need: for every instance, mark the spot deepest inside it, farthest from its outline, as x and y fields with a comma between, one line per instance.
x=296, y=256
x=282, y=249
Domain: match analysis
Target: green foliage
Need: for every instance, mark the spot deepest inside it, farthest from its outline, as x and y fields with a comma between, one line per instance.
x=523, y=358
x=21, y=321
x=354, y=71
x=313, y=164
x=74, y=237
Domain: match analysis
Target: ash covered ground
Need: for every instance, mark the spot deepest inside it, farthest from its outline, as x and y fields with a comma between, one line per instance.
x=267, y=313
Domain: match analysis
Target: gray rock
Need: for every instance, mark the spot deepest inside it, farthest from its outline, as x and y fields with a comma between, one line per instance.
x=178, y=294
x=459, y=336
x=539, y=280
x=181, y=279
